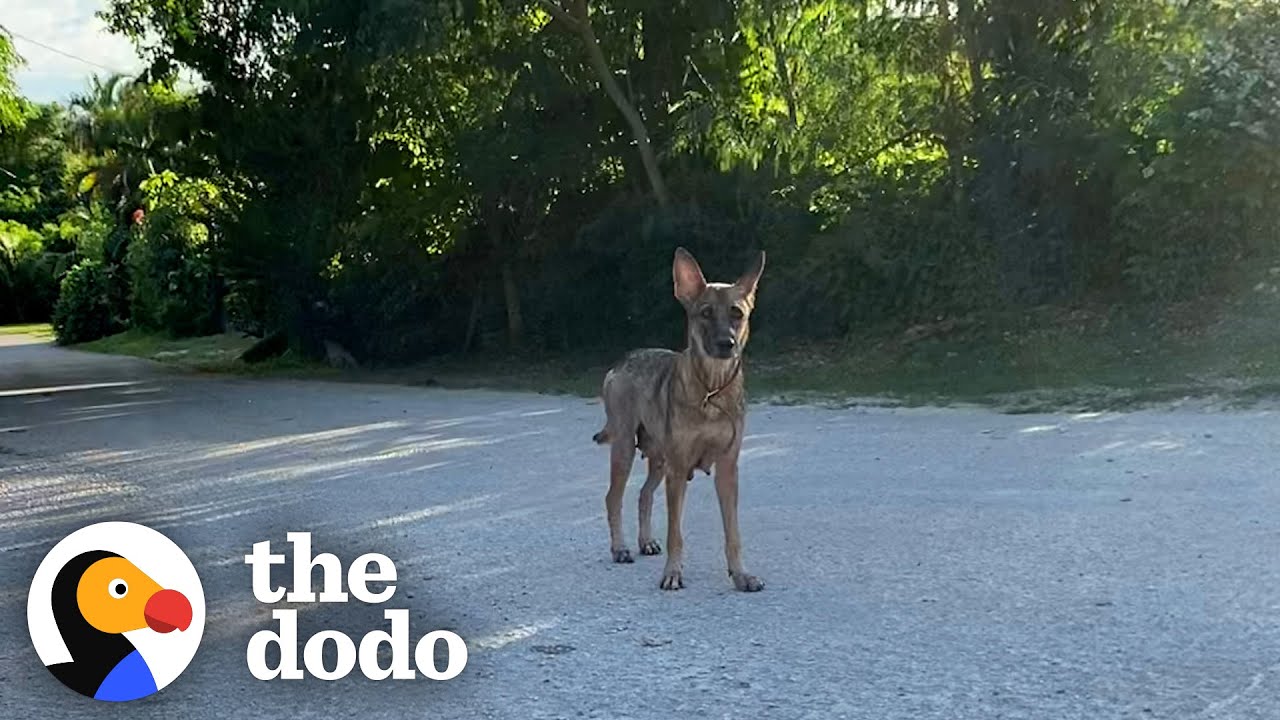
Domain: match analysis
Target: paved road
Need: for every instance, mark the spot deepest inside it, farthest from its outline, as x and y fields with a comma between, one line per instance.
x=920, y=563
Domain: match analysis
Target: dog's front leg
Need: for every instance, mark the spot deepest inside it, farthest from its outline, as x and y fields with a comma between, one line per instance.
x=677, y=482
x=649, y=546
x=727, y=492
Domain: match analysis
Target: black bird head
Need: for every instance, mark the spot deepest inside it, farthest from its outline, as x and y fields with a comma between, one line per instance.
x=97, y=597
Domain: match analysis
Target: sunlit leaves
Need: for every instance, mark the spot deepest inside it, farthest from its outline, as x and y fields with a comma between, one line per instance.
x=13, y=108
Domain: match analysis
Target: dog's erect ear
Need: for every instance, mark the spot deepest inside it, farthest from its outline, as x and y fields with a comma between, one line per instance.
x=688, y=277
x=751, y=278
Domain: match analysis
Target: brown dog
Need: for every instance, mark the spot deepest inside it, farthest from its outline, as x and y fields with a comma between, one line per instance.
x=685, y=412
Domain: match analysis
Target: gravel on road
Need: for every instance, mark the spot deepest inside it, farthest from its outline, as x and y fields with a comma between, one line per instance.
x=920, y=563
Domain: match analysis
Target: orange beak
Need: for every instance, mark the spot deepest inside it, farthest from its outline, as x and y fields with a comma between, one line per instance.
x=168, y=610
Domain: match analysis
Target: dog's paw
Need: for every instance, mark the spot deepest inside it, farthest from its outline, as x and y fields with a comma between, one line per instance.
x=622, y=556
x=672, y=580
x=650, y=548
x=747, y=583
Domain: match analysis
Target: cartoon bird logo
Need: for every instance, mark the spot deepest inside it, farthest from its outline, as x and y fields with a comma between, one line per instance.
x=111, y=622
x=97, y=597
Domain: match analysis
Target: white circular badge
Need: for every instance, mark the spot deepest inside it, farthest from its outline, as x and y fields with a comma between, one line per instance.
x=116, y=611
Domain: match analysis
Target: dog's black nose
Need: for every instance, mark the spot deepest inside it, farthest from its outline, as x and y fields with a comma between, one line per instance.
x=726, y=345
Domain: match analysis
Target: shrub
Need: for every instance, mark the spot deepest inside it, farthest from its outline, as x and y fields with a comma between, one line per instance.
x=172, y=290
x=82, y=312
x=1198, y=202
x=168, y=260
x=246, y=304
x=28, y=274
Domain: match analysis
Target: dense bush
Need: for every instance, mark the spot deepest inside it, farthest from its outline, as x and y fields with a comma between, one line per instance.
x=1201, y=200
x=170, y=273
x=83, y=313
x=28, y=274
x=245, y=305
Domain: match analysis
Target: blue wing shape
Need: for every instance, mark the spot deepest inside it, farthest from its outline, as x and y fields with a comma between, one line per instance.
x=130, y=679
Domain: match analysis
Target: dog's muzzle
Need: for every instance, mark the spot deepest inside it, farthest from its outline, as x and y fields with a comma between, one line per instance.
x=724, y=347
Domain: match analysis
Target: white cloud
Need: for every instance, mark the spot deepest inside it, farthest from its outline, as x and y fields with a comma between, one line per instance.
x=69, y=26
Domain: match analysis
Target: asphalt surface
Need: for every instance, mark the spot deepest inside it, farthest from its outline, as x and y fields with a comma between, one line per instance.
x=921, y=563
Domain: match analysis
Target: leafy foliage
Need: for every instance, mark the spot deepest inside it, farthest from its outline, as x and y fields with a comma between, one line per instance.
x=413, y=178
x=27, y=274
x=83, y=312
x=170, y=271
x=1202, y=193
x=13, y=108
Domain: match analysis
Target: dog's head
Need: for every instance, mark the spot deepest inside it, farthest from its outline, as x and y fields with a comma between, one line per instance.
x=719, y=313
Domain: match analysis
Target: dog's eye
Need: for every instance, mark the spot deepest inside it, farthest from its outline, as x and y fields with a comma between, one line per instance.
x=735, y=312
x=707, y=312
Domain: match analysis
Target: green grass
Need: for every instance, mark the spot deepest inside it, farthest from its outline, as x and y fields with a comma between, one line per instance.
x=1087, y=359
x=42, y=331
x=565, y=375
x=1047, y=359
x=1041, y=360
x=210, y=354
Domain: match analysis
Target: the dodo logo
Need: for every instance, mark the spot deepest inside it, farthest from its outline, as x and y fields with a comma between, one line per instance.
x=116, y=611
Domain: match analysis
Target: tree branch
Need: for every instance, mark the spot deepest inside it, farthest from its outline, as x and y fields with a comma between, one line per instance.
x=579, y=19
x=869, y=156
x=784, y=77
x=559, y=13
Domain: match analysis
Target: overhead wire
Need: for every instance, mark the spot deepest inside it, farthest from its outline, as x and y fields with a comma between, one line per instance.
x=63, y=53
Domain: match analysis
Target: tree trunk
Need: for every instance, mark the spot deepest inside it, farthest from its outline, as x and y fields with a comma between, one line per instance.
x=784, y=77
x=580, y=21
x=952, y=126
x=947, y=43
x=789, y=95
x=511, y=294
x=473, y=320
x=973, y=54
x=783, y=70
x=638, y=129
x=510, y=290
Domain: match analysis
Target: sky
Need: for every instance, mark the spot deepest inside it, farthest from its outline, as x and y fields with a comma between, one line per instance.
x=69, y=26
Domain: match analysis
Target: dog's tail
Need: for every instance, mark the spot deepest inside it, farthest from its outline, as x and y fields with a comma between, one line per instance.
x=603, y=437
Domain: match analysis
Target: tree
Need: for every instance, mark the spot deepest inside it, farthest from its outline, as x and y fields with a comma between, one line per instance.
x=445, y=166
x=289, y=114
x=13, y=108
x=129, y=130
x=576, y=17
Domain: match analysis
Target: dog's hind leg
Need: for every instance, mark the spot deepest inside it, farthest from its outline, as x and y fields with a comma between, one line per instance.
x=621, y=456
x=649, y=546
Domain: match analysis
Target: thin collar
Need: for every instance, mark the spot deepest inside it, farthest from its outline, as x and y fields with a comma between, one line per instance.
x=712, y=393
